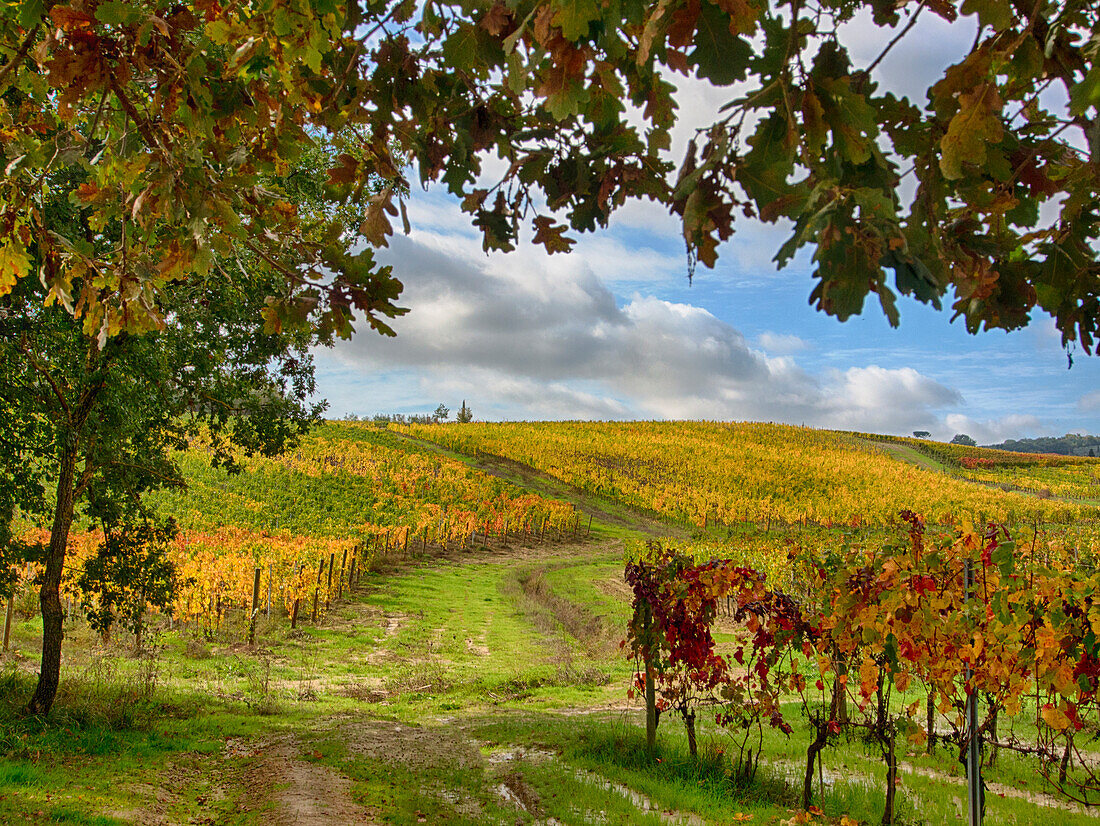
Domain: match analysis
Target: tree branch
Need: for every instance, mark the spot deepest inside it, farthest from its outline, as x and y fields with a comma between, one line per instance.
x=912, y=22
x=140, y=123
x=48, y=376
x=24, y=49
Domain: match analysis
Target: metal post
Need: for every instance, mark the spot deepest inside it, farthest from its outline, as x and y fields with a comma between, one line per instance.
x=973, y=753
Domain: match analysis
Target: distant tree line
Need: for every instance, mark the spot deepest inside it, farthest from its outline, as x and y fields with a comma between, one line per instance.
x=1072, y=444
x=440, y=414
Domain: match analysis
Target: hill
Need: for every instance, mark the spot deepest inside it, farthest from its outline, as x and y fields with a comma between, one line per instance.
x=749, y=472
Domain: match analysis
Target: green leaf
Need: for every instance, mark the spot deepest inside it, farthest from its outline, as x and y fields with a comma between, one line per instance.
x=575, y=16
x=1086, y=93
x=995, y=13
x=31, y=13
x=719, y=55
x=117, y=13
x=460, y=48
x=975, y=125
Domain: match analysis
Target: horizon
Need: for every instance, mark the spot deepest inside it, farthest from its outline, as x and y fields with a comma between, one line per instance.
x=379, y=417
x=614, y=330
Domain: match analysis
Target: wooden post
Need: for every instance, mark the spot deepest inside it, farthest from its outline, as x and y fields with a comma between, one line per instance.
x=589, y=531
x=7, y=622
x=343, y=567
x=328, y=588
x=270, y=575
x=351, y=570
x=317, y=587
x=973, y=754
x=255, y=608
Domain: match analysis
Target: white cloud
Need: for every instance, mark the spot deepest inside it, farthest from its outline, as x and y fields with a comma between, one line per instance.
x=994, y=431
x=1090, y=402
x=782, y=344
x=531, y=336
x=878, y=399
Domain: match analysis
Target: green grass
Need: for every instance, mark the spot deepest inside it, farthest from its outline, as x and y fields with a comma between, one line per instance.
x=474, y=655
x=489, y=639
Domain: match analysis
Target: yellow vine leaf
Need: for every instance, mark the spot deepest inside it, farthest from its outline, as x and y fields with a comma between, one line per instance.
x=14, y=264
x=1054, y=718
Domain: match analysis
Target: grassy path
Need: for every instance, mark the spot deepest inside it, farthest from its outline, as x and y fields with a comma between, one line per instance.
x=608, y=514
x=479, y=687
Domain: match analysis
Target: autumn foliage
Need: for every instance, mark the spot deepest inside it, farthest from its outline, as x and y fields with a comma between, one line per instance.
x=869, y=634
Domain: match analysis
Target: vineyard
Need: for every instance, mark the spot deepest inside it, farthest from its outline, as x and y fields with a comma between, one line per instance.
x=295, y=529
x=736, y=473
x=784, y=613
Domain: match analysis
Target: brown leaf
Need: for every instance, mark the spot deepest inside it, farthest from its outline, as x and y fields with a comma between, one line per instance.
x=498, y=20
x=344, y=172
x=649, y=33
x=743, y=15
x=69, y=19
x=87, y=192
x=376, y=227
x=944, y=8
x=681, y=31
x=474, y=200
x=552, y=235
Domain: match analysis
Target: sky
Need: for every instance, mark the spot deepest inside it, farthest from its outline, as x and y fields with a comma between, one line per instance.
x=614, y=329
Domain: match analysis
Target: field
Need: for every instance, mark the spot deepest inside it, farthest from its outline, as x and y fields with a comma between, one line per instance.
x=437, y=635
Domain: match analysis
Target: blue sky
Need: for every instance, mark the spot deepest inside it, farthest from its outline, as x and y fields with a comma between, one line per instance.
x=614, y=330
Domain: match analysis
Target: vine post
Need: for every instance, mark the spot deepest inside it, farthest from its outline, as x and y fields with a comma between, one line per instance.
x=340, y=582
x=973, y=753
x=255, y=608
x=328, y=586
x=317, y=588
x=7, y=621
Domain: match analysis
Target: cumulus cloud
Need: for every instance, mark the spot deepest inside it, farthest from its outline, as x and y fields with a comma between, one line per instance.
x=532, y=336
x=994, y=431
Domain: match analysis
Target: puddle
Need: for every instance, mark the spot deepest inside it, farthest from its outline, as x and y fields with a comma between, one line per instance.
x=642, y=803
x=514, y=754
x=793, y=773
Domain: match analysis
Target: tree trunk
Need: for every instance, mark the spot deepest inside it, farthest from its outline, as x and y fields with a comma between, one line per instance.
x=49, y=596
x=891, y=780
x=689, y=724
x=991, y=761
x=1067, y=754
x=930, y=711
x=818, y=743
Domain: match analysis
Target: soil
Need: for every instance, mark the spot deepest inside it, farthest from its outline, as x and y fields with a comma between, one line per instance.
x=300, y=792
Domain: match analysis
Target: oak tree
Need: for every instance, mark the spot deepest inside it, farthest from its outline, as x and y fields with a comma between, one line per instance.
x=184, y=114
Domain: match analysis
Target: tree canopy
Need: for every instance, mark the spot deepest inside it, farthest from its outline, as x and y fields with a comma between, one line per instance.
x=185, y=120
